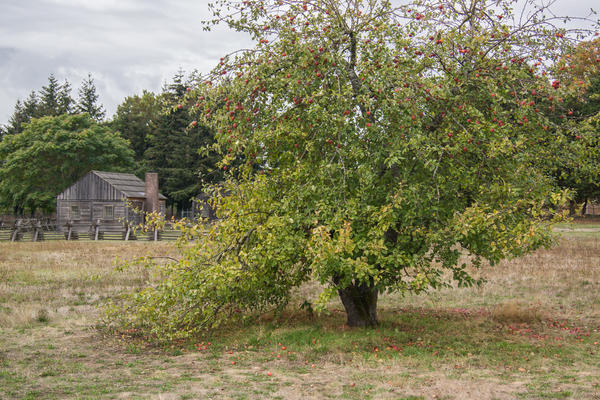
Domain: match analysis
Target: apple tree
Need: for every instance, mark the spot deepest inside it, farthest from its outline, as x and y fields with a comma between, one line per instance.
x=388, y=148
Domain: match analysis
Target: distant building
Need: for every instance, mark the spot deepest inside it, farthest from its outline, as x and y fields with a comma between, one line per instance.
x=203, y=206
x=110, y=197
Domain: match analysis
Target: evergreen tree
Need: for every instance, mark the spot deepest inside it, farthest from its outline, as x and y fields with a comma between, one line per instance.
x=49, y=95
x=55, y=98
x=16, y=120
x=88, y=100
x=52, y=100
x=174, y=91
x=65, y=101
x=22, y=114
x=31, y=106
x=173, y=148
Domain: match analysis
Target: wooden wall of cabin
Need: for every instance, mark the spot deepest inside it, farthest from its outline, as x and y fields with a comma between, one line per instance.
x=118, y=215
x=64, y=214
x=91, y=187
x=89, y=212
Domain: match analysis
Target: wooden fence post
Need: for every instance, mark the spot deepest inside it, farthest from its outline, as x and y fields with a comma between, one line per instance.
x=127, y=231
x=36, y=230
x=15, y=234
x=96, y=229
x=70, y=229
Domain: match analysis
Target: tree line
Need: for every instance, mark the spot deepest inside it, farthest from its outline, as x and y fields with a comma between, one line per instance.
x=168, y=140
x=52, y=139
x=55, y=99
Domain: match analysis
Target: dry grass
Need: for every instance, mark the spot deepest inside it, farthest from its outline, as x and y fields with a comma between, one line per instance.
x=513, y=312
x=55, y=280
x=562, y=281
x=504, y=340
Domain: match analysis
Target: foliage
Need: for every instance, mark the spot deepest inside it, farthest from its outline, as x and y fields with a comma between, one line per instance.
x=55, y=98
x=168, y=140
x=88, y=100
x=52, y=100
x=23, y=113
x=135, y=120
x=579, y=75
x=384, y=145
x=580, y=66
x=52, y=153
x=174, y=148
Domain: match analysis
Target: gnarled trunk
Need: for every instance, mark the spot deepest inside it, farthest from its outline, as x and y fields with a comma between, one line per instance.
x=360, y=302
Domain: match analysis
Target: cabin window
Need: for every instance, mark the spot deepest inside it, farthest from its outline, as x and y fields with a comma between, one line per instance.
x=108, y=212
x=75, y=212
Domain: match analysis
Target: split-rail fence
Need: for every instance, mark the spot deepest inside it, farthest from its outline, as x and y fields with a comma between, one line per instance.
x=44, y=229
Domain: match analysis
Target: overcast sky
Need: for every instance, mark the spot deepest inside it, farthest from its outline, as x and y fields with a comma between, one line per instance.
x=127, y=45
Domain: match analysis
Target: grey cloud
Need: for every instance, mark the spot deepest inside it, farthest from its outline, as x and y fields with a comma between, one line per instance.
x=127, y=45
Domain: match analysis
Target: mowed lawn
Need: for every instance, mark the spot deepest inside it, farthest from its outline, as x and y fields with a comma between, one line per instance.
x=531, y=332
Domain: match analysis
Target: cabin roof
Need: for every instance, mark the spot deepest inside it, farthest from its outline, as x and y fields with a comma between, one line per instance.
x=128, y=184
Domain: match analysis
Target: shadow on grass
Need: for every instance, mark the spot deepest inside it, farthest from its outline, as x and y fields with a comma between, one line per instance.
x=461, y=338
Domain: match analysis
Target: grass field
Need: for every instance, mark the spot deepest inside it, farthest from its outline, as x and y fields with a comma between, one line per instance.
x=531, y=332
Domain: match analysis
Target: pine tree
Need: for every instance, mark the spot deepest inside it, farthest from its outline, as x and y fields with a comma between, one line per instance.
x=16, y=119
x=65, y=101
x=173, y=148
x=55, y=98
x=49, y=97
x=175, y=90
x=88, y=100
x=31, y=106
x=23, y=113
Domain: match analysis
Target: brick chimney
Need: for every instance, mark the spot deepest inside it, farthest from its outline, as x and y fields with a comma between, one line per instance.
x=152, y=192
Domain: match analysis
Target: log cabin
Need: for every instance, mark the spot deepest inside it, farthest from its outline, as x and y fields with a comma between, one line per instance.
x=110, y=198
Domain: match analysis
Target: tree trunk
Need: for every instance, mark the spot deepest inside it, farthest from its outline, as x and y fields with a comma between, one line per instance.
x=572, y=206
x=584, y=207
x=360, y=302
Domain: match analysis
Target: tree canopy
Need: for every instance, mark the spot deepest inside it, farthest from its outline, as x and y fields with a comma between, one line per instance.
x=578, y=166
x=168, y=140
x=50, y=154
x=175, y=148
x=388, y=149
x=135, y=120
x=55, y=98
